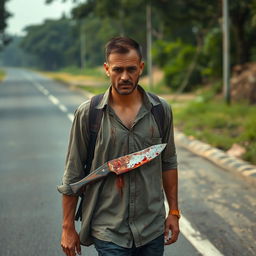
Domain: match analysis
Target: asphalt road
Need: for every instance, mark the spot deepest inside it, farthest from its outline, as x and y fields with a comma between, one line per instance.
x=34, y=128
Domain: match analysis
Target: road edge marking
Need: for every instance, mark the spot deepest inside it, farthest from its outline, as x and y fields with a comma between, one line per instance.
x=202, y=245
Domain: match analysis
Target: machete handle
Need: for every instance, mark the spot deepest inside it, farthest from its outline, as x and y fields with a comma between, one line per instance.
x=99, y=173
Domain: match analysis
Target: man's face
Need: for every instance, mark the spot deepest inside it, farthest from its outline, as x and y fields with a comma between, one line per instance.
x=124, y=71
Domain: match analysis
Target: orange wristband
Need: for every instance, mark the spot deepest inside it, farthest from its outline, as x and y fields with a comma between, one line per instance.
x=175, y=213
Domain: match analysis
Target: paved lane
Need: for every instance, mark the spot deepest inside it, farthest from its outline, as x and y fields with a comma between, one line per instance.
x=220, y=205
x=34, y=131
x=33, y=145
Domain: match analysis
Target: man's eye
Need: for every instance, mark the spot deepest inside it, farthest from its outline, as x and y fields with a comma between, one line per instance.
x=118, y=70
x=132, y=69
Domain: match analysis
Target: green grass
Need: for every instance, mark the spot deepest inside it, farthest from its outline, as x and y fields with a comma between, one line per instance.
x=220, y=125
x=2, y=74
x=157, y=88
x=94, y=89
x=93, y=80
x=94, y=72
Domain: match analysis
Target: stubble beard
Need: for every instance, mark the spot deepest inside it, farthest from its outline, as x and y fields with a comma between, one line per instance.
x=126, y=92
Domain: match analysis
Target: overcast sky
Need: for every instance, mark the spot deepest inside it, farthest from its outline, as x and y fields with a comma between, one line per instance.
x=28, y=12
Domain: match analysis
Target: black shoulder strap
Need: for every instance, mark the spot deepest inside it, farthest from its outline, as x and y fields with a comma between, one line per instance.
x=95, y=117
x=158, y=113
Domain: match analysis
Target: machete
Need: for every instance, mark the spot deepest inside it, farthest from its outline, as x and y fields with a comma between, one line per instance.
x=121, y=165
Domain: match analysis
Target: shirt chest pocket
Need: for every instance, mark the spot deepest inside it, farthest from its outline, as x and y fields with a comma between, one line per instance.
x=150, y=141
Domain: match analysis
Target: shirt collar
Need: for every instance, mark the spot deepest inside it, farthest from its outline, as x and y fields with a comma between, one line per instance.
x=148, y=100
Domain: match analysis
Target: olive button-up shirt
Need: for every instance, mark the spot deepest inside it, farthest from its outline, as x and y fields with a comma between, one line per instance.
x=134, y=213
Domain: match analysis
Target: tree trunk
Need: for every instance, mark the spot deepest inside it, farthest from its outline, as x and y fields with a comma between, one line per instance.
x=241, y=44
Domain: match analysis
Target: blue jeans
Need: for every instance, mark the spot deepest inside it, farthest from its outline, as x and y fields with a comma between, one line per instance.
x=153, y=248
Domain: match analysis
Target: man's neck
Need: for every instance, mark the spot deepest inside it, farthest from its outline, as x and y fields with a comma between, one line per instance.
x=125, y=100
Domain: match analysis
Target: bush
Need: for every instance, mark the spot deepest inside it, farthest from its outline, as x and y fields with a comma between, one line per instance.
x=2, y=74
x=175, y=58
x=211, y=58
x=220, y=125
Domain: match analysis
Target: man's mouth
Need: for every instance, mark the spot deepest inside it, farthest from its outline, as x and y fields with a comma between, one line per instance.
x=128, y=84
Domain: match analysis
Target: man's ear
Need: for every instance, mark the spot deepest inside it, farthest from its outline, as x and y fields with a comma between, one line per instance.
x=142, y=64
x=106, y=67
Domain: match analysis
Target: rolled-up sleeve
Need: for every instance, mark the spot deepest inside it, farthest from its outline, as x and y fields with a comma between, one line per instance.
x=77, y=150
x=169, y=157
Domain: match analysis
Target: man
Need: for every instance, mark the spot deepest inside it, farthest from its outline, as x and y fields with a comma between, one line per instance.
x=122, y=215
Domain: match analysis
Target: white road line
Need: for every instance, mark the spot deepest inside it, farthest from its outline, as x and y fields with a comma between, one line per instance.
x=45, y=92
x=202, y=245
x=53, y=99
x=62, y=108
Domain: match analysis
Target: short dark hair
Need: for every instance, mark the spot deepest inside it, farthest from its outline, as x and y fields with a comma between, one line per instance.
x=122, y=45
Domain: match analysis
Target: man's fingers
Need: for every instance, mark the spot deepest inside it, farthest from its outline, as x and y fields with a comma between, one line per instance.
x=69, y=251
x=166, y=231
x=166, y=234
x=173, y=238
x=78, y=247
x=70, y=242
x=66, y=251
x=72, y=252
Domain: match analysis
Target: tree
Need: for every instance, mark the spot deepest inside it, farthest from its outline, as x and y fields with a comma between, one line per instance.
x=13, y=55
x=242, y=16
x=195, y=24
x=4, y=15
x=53, y=42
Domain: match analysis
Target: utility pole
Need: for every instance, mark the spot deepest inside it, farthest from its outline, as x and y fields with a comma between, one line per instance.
x=82, y=46
x=226, y=58
x=149, y=45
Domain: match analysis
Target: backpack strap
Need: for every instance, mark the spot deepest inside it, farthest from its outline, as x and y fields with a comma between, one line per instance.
x=158, y=113
x=95, y=117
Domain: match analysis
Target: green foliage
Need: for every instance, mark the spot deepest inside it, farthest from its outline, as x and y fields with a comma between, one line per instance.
x=106, y=29
x=52, y=43
x=95, y=89
x=195, y=24
x=248, y=137
x=219, y=124
x=95, y=72
x=2, y=74
x=242, y=16
x=175, y=58
x=13, y=55
x=4, y=15
x=212, y=53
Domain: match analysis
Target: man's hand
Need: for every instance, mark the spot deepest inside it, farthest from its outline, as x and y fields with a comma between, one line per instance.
x=70, y=242
x=171, y=223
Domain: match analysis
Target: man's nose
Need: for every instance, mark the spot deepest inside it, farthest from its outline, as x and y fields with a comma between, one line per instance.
x=125, y=76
